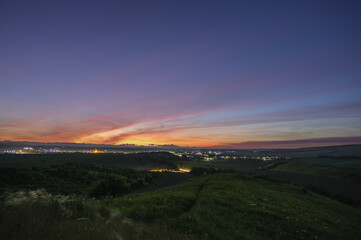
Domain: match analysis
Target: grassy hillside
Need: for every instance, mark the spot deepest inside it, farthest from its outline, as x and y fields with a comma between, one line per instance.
x=345, y=161
x=220, y=206
x=234, y=206
x=36, y=215
x=136, y=205
x=339, y=183
x=340, y=173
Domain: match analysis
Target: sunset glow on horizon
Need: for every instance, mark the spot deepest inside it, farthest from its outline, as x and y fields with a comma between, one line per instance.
x=279, y=74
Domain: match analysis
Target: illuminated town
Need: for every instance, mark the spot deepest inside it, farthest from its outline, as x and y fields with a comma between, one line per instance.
x=200, y=155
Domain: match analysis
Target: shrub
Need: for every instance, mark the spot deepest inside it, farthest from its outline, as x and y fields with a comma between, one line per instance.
x=112, y=185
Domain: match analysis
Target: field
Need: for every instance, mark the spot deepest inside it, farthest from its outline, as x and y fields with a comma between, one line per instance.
x=339, y=173
x=238, y=164
x=110, y=196
x=141, y=161
x=314, y=152
x=342, y=161
x=342, y=183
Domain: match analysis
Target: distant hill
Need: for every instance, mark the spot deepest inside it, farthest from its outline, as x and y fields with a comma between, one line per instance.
x=341, y=150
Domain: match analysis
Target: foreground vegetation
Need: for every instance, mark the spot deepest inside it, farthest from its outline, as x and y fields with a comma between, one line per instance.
x=235, y=206
x=217, y=206
x=36, y=215
x=73, y=178
x=98, y=197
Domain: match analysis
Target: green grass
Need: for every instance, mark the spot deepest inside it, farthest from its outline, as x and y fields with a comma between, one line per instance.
x=335, y=162
x=61, y=218
x=233, y=206
x=340, y=173
x=220, y=206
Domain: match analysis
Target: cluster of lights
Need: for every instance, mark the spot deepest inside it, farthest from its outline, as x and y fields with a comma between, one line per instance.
x=180, y=170
x=203, y=156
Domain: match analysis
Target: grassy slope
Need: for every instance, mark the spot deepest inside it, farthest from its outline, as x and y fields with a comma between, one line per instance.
x=28, y=216
x=340, y=173
x=340, y=181
x=220, y=206
x=335, y=162
x=233, y=206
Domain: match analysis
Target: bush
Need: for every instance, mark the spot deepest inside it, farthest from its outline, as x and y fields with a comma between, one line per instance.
x=112, y=185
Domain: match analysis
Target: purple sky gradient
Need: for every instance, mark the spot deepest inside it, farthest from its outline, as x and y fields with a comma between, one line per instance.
x=192, y=73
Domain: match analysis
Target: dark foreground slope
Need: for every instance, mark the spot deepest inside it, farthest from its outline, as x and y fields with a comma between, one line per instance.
x=220, y=206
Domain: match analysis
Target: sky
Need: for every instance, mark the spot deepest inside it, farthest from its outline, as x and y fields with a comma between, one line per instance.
x=239, y=74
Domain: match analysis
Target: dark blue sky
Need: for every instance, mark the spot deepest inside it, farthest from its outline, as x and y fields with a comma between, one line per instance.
x=207, y=73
